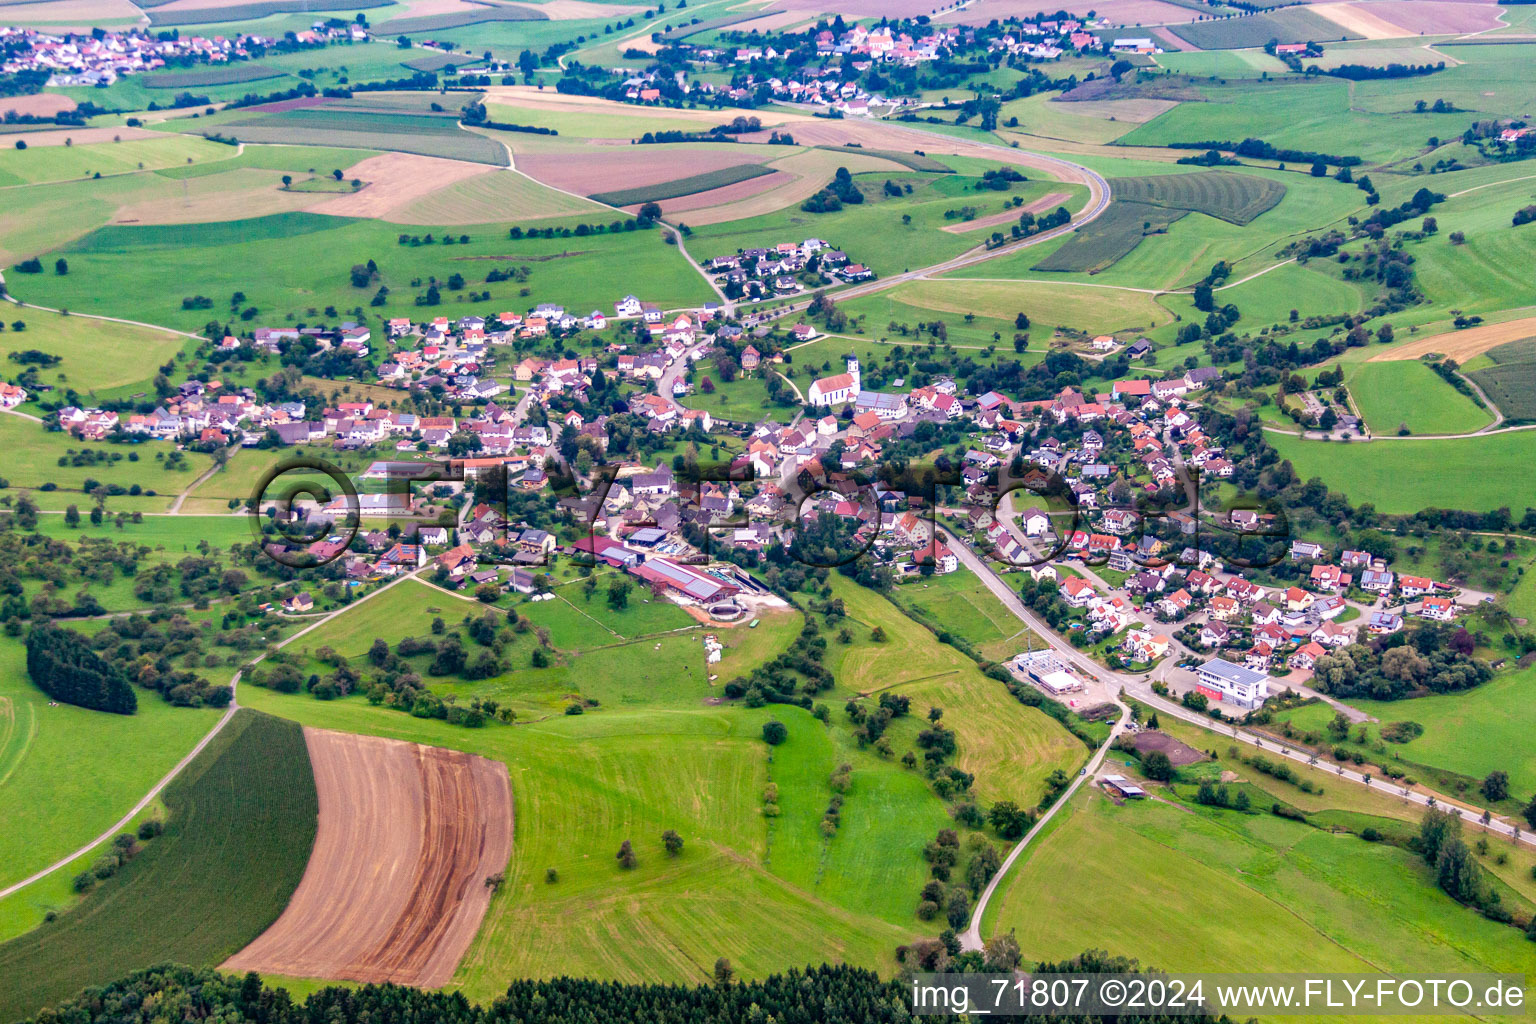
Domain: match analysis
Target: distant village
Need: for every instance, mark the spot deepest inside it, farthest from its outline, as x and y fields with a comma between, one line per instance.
x=101, y=57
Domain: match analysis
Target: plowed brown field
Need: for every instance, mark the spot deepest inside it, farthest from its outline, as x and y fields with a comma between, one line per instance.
x=395, y=887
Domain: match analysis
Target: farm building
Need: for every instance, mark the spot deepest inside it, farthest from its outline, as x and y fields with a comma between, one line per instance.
x=684, y=580
x=1119, y=785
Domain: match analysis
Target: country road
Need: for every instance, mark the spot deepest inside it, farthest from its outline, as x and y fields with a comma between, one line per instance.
x=1141, y=689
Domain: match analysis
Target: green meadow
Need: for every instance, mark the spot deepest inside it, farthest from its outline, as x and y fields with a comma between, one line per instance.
x=38, y=164
x=1403, y=476
x=1185, y=888
x=99, y=359
x=1408, y=393
x=291, y=266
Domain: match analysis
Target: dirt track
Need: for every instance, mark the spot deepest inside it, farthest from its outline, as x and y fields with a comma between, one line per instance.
x=1463, y=345
x=395, y=887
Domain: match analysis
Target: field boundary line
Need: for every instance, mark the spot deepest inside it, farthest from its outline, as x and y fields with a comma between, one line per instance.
x=180, y=766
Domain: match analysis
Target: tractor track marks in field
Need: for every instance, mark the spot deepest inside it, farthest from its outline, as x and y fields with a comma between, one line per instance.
x=395, y=887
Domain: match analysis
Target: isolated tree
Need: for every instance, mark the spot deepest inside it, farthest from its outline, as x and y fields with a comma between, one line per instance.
x=1496, y=786
x=61, y=266
x=1156, y=766
x=774, y=732
x=626, y=855
x=287, y=180
x=672, y=841
x=723, y=972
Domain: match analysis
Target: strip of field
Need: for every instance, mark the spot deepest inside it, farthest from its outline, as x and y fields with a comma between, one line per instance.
x=1289, y=25
x=395, y=180
x=1360, y=20
x=395, y=889
x=1007, y=216
x=487, y=198
x=246, y=12
x=228, y=74
x=460, y=19
x=914, y=161
x=1109, y=237
x=637, y=168
x=1463, y=345
x=360, y=128
x=241, y=823
x=682, y=186
x=1511, y=381
x=1235, y=198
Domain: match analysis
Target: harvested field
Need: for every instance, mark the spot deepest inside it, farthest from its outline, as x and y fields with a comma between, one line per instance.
x=1365, y=20
x=42, y=104
x=806, y=172
x=44, y=14
x=394, y=181
x=173, y=14
x=1045, y=202
x=1463, y=345
x=1432, y=17
x=459, y=19
x=210, y=197
x=488, y=198
x=717, y=197
x=1171, y=41
x=1119, y=12
x=881, y=135
x=680, y=187
x=1135, y=110
x=1295, y=24
x=1178, y=752
x=82, y=136
x=634, y=167
x=394, y=890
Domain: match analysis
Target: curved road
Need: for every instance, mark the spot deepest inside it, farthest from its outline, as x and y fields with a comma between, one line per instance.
x=1141, y=689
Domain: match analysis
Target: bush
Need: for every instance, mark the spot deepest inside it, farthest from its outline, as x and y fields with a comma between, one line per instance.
x=774, y=732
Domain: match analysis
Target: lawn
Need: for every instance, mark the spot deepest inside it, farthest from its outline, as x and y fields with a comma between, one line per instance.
x=744, y=399
x=1197, y=890
x=240, y=824
x=1403, y=476
x=291, y=266
x=100, y=360
x=1406, y=392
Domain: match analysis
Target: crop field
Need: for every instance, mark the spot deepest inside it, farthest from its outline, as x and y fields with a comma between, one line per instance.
x=679, y=187
x=168, y=17
x=291, y=262
x=632, y=167
x=240, y=823
x=1403, y=476
x=1511, y=381
x=463, y=19
x=1289, y=25
x=1312, y=114
x=1392, y=394
x=995, y=304
x=363, y=124
x=394, y=888
x=486, y=198
x=1235, y=198
x=1102, y=243
x=1199, y=886
x=228, y=74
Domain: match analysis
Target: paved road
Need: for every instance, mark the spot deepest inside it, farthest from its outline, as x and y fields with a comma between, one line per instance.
x=234, y=705
x=1141, y=689
x=971, y=937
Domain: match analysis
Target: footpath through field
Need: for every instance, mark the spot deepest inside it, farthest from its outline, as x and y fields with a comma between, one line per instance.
x=229, y=713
